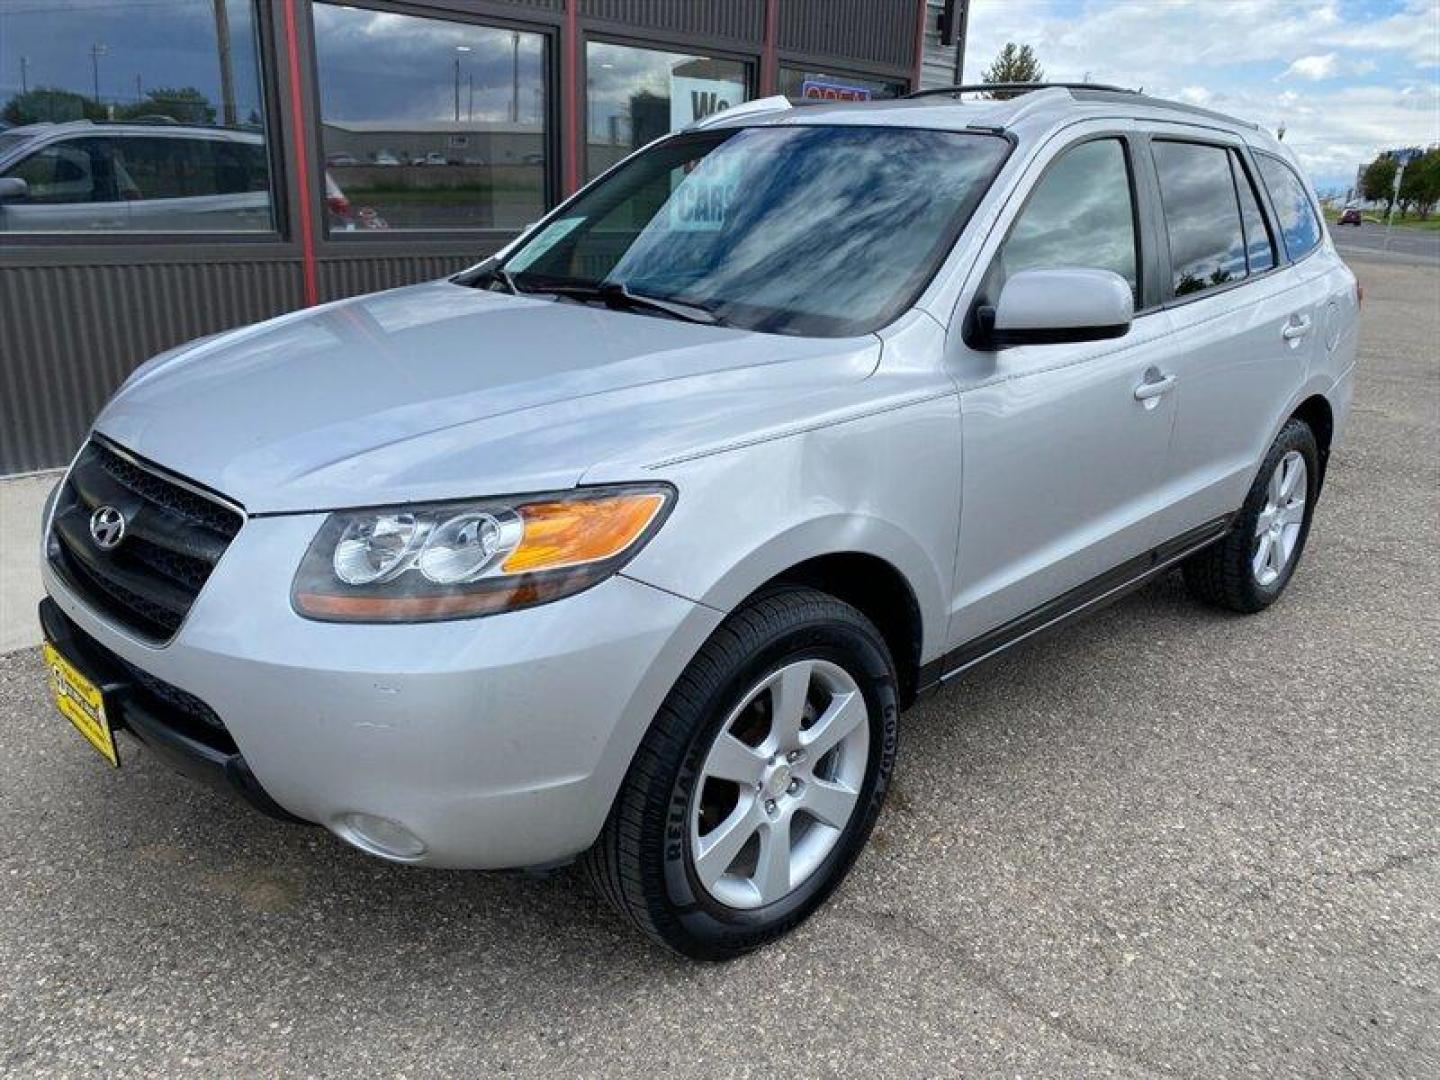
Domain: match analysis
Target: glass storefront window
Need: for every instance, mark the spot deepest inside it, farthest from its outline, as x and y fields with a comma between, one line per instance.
x=636, y=95
x=132, y=116
x=429, y=124
x=835, y=86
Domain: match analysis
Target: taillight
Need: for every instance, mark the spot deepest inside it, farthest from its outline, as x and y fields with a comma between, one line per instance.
x=338, y=205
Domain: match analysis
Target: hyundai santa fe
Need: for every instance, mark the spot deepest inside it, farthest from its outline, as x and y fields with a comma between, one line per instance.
x=629, y=544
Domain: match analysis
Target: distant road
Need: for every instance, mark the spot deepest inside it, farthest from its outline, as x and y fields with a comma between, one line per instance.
x=1407, y=245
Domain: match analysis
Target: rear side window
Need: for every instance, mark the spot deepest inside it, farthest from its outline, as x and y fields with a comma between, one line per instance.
x=1259, y=247
x=1202, y=216
x=1298, y=223
x=1081, y=213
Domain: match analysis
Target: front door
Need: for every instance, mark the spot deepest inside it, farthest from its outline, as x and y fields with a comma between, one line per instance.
x=1064, y=446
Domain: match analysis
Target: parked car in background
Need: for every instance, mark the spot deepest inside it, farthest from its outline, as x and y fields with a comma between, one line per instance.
x=137, y=177
x=144, y=177
x=1351, y=216
x=385, y=157
x=629, y=544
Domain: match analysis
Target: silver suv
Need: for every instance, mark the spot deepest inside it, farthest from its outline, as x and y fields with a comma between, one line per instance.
x=631, y=543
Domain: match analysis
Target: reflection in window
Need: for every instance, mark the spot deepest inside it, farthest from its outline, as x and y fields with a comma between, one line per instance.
x=429, y=124
x=1202, y=217
x=811, y=85
x=1080, y=214
x=805, y=229
x=1298, y=223
x=132, y=116
x=1259, y=249
x=634, y=96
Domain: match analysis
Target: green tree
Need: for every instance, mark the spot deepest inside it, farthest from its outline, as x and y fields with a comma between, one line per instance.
x=1420, y=186
x=50, y=104
x=1378, y=182
x=1013, y=64
x=184, y=104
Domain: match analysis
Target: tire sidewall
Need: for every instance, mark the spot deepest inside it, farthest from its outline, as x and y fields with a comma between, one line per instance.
x=701, y=917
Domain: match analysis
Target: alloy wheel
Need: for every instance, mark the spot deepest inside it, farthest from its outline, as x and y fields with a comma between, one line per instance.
x=779, y=784
x=1277, y=529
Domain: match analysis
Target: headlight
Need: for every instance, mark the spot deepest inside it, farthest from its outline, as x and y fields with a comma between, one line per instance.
x=454, y=560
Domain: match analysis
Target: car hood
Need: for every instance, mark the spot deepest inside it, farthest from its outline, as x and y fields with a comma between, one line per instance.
x=440, y=391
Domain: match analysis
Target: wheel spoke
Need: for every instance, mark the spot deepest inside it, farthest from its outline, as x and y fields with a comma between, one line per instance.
x=1278, y=553
x=772, y=871
x=1293, y=513
x=717, y=848
x=843, y=715
x=789, y=690
x=1277, y=482
x=1262, y=554
x=731, y=759
x=829, y=802
x=1294, y=475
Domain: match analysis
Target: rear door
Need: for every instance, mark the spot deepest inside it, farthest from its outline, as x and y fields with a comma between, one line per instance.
x=1061, y=460
x=1243, y=322
x=182, y=182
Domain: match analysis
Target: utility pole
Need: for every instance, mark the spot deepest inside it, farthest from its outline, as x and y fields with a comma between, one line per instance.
x=24, y=74
x=96, y=51
x=227, y=74
x=514, y=76
x=457, y=89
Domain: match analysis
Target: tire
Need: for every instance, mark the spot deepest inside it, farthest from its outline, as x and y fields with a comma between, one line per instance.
x=645, y=864
x=1225, y=574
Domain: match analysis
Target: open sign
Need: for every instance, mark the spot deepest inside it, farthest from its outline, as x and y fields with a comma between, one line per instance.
x=823, y=90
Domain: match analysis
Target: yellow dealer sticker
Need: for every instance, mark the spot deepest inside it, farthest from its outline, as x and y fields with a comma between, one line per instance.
x=80, y=701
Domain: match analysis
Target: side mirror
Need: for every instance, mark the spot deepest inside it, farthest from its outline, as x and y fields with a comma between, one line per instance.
x=13, y=189
x=1059, y=304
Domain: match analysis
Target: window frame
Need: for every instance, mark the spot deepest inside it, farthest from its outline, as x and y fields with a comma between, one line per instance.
x=1247, y=176
x=1140, y=200
x=1274, y=214
x=276, y=127
x=749, y=59
x=1161, y=231
x=382, y=242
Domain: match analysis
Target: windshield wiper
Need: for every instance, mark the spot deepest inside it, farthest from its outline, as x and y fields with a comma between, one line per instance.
x=504, y=277
x=615, y=294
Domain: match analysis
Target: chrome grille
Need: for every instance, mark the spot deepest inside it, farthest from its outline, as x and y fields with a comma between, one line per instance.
x=174, y=536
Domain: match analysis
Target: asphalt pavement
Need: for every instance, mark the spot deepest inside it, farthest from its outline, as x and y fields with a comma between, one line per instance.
x=1404, y=244
x=1167, y=842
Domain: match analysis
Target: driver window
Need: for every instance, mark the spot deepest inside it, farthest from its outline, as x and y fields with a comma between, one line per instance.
x=1081, y=213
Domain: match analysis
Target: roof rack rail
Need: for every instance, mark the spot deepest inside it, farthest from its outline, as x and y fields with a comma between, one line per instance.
x=980, y=88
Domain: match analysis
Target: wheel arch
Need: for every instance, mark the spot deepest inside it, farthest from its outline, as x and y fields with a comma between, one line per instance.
x=879, y=591
x=1316, y=411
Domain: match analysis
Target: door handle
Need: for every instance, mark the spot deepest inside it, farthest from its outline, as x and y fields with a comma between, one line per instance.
x=1296, y=328
x=1153, y=388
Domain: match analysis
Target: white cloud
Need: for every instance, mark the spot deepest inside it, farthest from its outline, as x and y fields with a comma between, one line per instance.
x=1313, y=67
x=1382, y=91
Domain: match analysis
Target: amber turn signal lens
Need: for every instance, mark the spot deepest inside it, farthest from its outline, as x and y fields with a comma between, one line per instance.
x=561, y=534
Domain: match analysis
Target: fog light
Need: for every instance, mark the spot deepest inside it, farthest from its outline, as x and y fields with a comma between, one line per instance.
x=380, y=836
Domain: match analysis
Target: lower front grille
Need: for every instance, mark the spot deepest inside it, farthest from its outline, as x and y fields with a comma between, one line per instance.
x=171, y=535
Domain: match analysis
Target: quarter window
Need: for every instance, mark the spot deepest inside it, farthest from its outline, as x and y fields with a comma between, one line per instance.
x=1081, y=213
x=429, y=123
x=143, y=100
x=1259, y=248
x=633, y=96
x=1202, y=216
x=1298, y=223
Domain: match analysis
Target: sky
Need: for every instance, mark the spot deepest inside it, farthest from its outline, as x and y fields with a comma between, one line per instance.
x=1347, y=78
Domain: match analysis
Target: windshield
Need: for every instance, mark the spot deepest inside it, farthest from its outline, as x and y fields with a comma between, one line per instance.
x=816, y=230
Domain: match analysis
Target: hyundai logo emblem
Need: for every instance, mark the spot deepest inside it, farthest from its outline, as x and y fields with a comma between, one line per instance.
x=107, y=528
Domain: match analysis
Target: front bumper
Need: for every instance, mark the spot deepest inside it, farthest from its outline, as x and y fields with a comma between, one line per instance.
x=498, y=742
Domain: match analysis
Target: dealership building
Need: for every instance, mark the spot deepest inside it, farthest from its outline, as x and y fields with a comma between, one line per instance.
x=173, y=168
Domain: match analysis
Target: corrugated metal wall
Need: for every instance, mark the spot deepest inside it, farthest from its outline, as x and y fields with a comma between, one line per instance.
x=742, y=20
x=880, y=31
x=70, y=334
x=351, y=277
